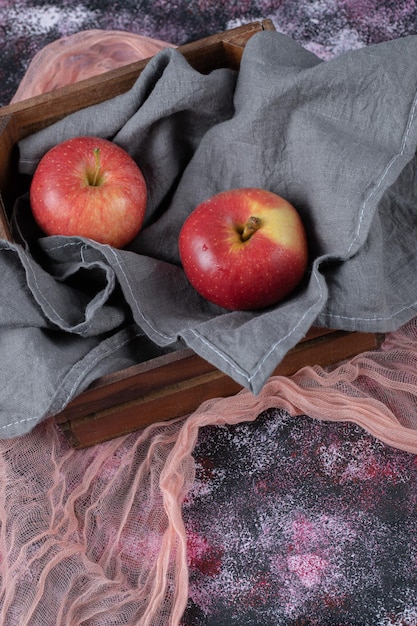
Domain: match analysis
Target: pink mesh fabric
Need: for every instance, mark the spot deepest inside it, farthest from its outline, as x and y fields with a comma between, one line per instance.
x=82, y=55
x=376, y=390
x=97, y=537
x=85, y=536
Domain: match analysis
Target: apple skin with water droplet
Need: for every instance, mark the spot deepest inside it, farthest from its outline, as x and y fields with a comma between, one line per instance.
x=89, y=187
x=244, y=248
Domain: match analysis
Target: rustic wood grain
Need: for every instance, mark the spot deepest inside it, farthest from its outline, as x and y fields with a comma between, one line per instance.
x=174, y=386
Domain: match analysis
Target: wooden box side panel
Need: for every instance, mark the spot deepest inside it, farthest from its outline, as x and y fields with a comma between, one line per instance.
x=181, y=393
x=170, y=369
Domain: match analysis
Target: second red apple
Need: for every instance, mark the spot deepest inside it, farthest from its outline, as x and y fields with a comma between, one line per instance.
x=244, y=248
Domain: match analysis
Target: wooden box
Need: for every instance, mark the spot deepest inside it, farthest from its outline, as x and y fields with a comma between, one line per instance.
x=174, y=384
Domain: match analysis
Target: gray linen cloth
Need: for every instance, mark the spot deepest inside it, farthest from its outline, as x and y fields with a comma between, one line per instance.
x=336, y=138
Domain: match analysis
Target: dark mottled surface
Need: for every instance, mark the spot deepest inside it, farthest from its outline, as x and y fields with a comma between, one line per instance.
x=294, y=521
x=325, y=26
x=290, y=521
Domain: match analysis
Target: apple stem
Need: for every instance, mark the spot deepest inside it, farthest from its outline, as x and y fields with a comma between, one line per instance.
x=96, y=174
x=251, y=226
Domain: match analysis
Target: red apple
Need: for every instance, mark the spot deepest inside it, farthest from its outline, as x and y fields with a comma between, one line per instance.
x=89, y=187
x=244, y=249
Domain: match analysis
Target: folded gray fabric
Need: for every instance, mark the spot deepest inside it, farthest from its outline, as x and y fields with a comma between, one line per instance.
x=336, y=138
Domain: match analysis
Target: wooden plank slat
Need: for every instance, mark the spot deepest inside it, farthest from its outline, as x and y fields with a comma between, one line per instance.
x=162, y=394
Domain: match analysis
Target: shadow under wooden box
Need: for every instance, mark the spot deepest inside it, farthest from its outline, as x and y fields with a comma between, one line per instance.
x=174, y=384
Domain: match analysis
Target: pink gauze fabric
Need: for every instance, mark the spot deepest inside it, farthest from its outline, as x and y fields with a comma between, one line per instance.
x=82, y=55
x=96, y=536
